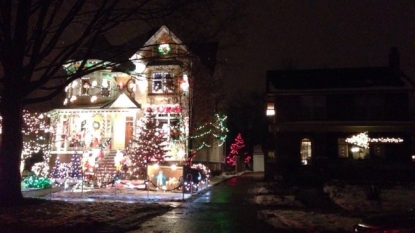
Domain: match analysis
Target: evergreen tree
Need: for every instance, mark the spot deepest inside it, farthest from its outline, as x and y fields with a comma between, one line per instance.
x=147, y=145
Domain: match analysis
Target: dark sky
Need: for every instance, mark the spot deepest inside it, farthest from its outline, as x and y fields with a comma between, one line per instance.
x=322, y=34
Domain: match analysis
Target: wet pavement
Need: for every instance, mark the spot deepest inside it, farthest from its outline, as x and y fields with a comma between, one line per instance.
x=225, y=207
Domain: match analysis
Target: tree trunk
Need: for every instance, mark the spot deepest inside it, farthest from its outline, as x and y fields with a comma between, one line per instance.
x=11, y=148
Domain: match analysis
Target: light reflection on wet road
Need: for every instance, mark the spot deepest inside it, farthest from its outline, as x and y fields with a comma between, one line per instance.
x=226, y=207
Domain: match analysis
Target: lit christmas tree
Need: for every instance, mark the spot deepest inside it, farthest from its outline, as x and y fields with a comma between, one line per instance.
x=235, y=147
x=60, y=170
x=147, y=146
x=76, y=169
x=36, y=133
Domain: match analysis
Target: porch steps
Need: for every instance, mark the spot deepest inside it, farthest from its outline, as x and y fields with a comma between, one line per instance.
x=106, y=168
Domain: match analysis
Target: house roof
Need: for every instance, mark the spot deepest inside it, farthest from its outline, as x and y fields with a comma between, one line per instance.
x=102, y=49
x=341, y=78
x=123, y=101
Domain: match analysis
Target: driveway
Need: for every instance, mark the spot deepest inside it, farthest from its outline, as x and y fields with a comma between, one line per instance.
x=225, y=207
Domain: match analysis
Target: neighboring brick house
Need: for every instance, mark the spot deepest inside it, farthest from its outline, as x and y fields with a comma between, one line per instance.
x=329, y=114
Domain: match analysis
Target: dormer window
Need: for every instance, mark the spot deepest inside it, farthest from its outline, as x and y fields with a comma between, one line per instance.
x=85, y=87
x=105, y=88
x=162, y=83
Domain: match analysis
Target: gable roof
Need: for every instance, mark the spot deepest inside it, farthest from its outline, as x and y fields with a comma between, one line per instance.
x=123, y=101
x=341, y=78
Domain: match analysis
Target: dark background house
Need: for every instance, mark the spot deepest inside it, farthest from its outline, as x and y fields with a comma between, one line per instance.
x=316, y=110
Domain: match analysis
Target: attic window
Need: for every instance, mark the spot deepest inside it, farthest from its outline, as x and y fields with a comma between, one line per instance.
x=85, y=87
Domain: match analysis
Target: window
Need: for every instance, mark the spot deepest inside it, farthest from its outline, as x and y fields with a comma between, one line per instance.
x=85, y=86
x=305, y=151
x=270, y=109
x=343, y=148
x=313, y=107
x=162, y=83
x=105, y=88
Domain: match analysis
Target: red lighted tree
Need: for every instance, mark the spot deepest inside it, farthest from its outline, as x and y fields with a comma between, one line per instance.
x=235, y=147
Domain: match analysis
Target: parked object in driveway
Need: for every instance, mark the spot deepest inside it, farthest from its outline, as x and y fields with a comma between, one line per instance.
x=396, y=222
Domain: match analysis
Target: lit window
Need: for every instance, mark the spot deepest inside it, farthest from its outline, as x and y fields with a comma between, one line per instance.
x=86, y=85
x=270, y=109
x=162, y=83
x=305, y=151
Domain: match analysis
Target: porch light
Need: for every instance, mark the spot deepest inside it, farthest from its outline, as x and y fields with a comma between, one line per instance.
x=355, y=149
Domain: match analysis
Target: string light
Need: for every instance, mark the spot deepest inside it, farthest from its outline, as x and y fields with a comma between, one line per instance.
x=363, y=140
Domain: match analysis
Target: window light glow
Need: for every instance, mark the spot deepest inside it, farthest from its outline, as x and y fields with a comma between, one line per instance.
x=270, y=109
x=270, y=112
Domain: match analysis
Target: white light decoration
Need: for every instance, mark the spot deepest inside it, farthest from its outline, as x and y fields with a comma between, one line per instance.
x=185, y=83
x=363, y=140
x=105, y=83
x=65, y=102
x=181, y=153
x=173, y=167
x=94, y=83
x=93, y=98
x=355, y=149
x=73, y=98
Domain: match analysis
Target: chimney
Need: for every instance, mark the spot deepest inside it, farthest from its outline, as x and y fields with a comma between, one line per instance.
x=394, y=60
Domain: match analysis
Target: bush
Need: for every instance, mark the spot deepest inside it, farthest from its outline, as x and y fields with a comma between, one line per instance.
x=34, y=181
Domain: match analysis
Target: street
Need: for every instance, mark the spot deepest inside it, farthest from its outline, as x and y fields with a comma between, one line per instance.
x=226, y=207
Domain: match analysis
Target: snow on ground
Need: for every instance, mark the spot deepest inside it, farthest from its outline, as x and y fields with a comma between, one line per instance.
x=350, y=198
x=110, y=208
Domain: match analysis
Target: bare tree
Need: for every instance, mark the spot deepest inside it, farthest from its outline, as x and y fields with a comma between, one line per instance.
x=246, y=116
x=40, y=37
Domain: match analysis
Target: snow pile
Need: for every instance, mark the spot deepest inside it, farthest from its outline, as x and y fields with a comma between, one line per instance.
x=351, y=198
x=267, y=197
x=40, y=215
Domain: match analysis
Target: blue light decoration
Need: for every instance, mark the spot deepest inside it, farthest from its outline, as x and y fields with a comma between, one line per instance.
x=76, y=169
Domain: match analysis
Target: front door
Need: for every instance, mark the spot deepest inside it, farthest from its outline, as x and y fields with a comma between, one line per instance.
x=129, y=127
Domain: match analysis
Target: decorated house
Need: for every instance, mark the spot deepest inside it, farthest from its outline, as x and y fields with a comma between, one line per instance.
x=103, y=110
x=320, y=116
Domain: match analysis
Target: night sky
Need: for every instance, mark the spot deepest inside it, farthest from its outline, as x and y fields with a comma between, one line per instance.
x=316, y=34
